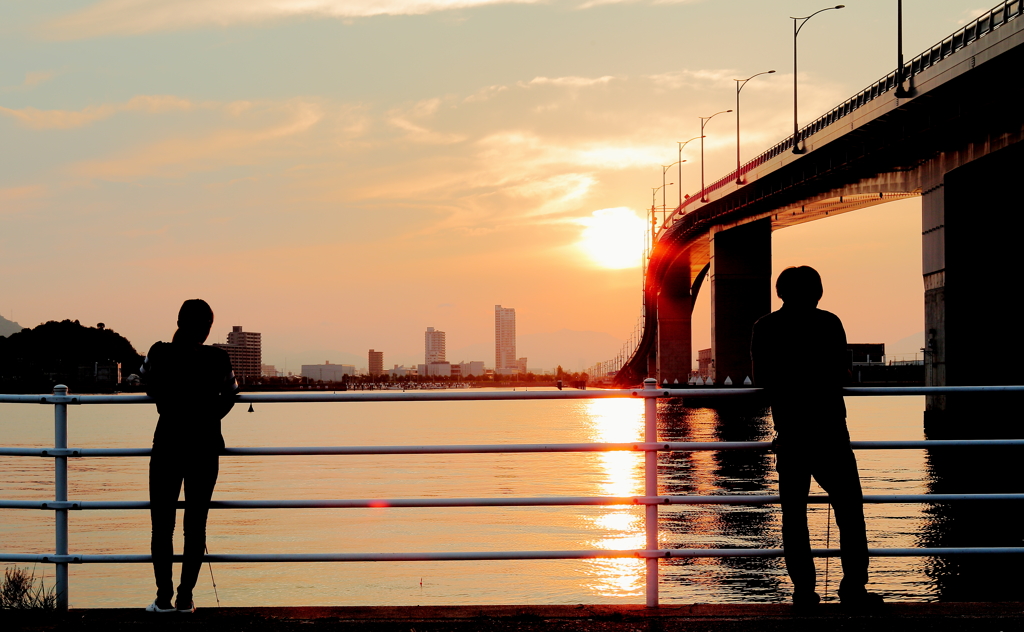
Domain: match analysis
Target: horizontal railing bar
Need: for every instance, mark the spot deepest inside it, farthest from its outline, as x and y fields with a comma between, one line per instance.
x=513, y=448
x=873, y=391
x=635, y=446
x=28, y=558
x=454, y=395
x=418, y=395
x=538, y=501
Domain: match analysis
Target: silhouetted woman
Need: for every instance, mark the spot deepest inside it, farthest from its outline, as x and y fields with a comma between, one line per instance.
x=194, y=388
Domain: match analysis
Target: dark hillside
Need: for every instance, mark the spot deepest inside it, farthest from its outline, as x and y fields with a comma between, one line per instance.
x=66, y=352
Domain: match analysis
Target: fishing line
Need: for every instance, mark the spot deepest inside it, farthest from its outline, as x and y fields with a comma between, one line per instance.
x=828, y=533
x=212, y=580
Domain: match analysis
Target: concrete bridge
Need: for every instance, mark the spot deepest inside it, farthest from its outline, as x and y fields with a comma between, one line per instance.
x=951, y=136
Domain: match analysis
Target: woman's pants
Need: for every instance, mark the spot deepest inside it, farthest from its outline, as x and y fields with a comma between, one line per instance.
x=167, y=472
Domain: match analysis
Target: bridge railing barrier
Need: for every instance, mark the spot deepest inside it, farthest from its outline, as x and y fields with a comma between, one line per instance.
x=650, y=446
x=985, y=24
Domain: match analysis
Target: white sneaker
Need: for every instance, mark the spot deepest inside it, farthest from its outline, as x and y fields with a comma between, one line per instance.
x=155, y=608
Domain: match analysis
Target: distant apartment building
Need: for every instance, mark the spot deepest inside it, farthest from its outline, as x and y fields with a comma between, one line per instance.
x=105, y=372
x=327, y=372
x=269, y=370
x=435, y=369
x=704, y=363
x=866, y=353
x=474, y=368
x=402, y=371
x=433, y=346
x=505, y=340
x=521, y=366
x=245, y=349
x=376, y=363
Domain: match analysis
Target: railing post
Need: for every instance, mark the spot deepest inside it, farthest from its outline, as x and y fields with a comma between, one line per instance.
x=60, y=494
x=651, y=489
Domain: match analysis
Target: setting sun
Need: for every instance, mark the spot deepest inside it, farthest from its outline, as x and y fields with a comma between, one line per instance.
x=613, y=237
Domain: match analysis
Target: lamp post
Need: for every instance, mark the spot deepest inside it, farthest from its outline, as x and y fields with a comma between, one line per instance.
x=798, y=23
x=901, y=92
x=739, y=86
x=704, y=121
x=682, y=143
x=654, y=193
x=664, y=170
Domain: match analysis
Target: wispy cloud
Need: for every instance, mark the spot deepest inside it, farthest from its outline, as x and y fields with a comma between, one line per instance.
x=691, y=78
x=411, y=120
x=22, y=193
x=217, y=149
x=32, y=79
x=67, y=119
x=972, y=14
x=133, y=17
x=19, y=198
x=521, y=147
x=569, y=82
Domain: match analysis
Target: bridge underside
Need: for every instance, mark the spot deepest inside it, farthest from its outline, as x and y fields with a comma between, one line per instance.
x=955, y=145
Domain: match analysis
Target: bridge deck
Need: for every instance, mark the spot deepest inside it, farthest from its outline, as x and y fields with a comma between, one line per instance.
x=898, y=617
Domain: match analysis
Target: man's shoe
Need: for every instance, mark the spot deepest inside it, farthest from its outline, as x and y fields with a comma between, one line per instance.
x=156, y=606
x=185, y=605
x=861, y=600
x=806, y=600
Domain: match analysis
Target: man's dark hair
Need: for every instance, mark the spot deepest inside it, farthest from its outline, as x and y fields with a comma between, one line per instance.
x=800, y=285
x=194, y=321
x=195, y=312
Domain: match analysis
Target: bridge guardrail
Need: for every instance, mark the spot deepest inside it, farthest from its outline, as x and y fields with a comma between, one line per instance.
x=985, y=24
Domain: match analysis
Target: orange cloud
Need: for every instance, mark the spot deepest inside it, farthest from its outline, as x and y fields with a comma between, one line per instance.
x=178, y=156
x=133, y=17
x=68, y=119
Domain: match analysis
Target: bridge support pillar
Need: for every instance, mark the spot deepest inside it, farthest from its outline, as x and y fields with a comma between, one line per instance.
x=675, y=352
x=972, y=223
x=741, y=277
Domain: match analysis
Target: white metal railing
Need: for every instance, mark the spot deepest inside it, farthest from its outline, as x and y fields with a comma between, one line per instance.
x=650, y=392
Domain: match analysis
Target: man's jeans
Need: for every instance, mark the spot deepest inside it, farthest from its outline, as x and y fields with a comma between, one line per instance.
x=834, y=467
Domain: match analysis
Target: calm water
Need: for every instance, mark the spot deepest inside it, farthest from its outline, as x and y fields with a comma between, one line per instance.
x=463, y=529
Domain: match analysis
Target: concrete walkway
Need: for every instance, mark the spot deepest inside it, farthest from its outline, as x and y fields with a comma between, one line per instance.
x=897, y=617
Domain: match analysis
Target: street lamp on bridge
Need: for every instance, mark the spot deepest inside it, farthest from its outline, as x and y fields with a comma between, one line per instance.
x=704, y=121
x=901, y=92
x=739, y=86
x=664, y=170
x=654, y=218
x=798, y=23
x=682, y=143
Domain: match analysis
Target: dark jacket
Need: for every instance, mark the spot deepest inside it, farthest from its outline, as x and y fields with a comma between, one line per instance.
x=194, y=388
x=800, y=358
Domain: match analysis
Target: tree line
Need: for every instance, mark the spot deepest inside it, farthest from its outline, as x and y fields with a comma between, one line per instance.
x=86, y=359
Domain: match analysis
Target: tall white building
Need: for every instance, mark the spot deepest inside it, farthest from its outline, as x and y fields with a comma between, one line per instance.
x=433, y=346
x=505, y=360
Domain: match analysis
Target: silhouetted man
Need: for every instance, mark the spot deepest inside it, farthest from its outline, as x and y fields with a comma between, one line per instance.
x=800, y=358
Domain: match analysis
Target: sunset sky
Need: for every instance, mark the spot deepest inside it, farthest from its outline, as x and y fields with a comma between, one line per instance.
x=342, y=174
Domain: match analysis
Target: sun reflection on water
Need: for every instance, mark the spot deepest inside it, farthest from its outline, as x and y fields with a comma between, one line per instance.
x=616, y=421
